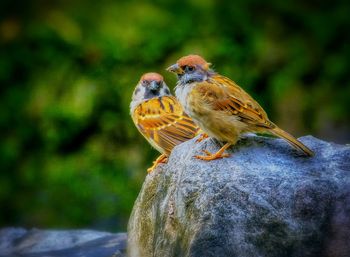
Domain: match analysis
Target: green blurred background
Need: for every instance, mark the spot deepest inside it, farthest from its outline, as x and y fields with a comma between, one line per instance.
x=70, y=155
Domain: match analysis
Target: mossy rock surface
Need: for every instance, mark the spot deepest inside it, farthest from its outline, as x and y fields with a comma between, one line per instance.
x=264, y=200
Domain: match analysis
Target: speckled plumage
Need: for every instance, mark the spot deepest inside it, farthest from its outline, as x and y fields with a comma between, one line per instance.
x=159, y=116
x=163, y=123
x=220, y=107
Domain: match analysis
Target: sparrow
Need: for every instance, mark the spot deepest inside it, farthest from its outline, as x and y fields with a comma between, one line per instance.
x=221, y=108
x=159, y=116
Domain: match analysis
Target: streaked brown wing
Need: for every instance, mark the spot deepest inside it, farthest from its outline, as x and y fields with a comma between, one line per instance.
x=224, y=94
x=163, y=123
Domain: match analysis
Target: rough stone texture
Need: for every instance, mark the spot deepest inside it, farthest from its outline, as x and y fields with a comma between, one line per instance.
x=19, y=242
x=264, y=200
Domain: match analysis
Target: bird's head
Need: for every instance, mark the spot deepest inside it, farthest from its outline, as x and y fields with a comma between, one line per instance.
x=191, y=68
x=150, y=85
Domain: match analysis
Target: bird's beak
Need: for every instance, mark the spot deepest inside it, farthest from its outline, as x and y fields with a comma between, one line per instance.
x=175, y=69
x=154, y=86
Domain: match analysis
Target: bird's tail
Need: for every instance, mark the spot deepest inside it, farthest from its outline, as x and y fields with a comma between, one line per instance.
x=292, y=140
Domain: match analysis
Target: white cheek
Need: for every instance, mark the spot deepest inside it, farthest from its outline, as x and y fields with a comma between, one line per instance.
x=137, y=98
x=139, y=94
x=164, y=91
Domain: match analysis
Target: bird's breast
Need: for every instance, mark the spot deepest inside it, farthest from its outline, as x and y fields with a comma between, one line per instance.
x=182, y=93
x=192, y=103
x=217, y=124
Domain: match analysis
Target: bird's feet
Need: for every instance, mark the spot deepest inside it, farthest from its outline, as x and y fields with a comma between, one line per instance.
x=218, y=155
x=209, y=156
x=202, y=137
x=161, y=159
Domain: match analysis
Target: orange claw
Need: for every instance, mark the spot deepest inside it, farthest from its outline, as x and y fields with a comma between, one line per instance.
x=202, y=137
x=218, y=155
x=161, y=159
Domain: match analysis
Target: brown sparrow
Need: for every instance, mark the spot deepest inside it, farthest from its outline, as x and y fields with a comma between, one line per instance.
x=220, y=107
x=159, y=116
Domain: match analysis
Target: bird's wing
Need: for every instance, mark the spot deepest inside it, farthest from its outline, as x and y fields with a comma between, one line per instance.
x=163, y=122
x=225, y=95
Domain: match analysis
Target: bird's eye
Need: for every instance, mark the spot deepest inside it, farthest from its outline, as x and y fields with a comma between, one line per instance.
x=189, y=68
x=144, y=82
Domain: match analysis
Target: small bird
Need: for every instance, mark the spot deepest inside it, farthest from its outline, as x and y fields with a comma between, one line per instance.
x=159, y=116
x=221, y=108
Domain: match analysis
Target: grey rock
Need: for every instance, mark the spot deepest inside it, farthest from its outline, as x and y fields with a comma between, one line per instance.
x=264, y=200
x=60, y=243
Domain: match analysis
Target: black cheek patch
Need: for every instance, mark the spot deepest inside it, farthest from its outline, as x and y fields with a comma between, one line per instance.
x=167, y=91
x=137, y=90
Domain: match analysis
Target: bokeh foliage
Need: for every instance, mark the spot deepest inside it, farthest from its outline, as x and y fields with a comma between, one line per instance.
x=70, y=155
